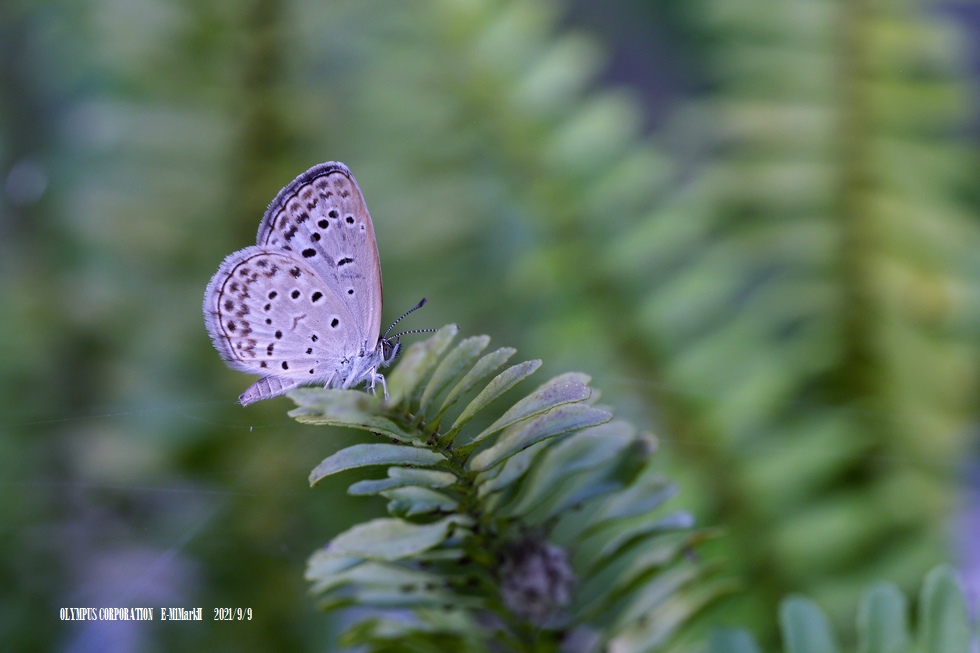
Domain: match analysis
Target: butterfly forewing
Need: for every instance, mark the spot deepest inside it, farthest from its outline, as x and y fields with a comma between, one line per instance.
x=321, y=219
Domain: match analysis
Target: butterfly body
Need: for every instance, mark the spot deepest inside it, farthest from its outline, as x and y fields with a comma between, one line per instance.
x=303, y=305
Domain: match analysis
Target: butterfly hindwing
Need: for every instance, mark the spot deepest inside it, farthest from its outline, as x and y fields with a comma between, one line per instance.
x=270, y=314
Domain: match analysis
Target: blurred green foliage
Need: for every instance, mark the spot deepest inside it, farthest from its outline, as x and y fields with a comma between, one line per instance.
x=942, y=623
x=781, y=278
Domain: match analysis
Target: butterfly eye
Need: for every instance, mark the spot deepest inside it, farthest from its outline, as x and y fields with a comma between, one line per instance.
x=389, y=350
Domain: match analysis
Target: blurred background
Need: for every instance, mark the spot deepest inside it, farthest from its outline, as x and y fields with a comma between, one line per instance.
x=754, y=222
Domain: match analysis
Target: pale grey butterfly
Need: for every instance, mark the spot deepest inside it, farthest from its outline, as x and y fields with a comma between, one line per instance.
x=304, y=304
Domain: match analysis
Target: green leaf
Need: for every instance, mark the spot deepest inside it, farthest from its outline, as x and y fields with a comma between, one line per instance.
x=730, y=640
x=423, y=477
x=413, y=501
x=366, y=455
x=372, y=573
x=649, y=596
x=401, y=477
x=606, y=542
x=391, y=539
x=461, y=357
x=441, y=555
x=652, y=632
x=483, y=368
x=322, y=565
x=883, y=621
x=416, y=635
x=502, y=476
x=564, y=462
x=564, y=389
x=386, y=598
x=560, y=419
x=945, y=621
x=626, y=571
x=648, y=493
x=498, y=386
x=805, y=627
x=347, y=408
x=594, y=516
x=416, y=363
x=575, y=491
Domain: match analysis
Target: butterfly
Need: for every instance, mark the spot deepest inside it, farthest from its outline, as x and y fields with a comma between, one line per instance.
x=303, y=305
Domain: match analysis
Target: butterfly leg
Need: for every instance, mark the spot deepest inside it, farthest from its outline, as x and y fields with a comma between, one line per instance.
x=378, y=377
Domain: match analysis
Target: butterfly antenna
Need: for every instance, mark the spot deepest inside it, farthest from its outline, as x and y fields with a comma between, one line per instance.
x=406, y=314
x=408, y=333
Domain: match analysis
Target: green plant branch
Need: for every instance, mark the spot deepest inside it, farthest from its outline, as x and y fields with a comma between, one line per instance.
x=499, y=525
